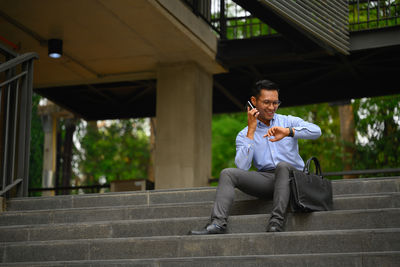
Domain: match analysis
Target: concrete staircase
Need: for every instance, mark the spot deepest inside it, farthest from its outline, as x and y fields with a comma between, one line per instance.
x=150, y=229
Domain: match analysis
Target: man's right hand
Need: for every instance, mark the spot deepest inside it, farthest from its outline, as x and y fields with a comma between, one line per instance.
x=252, y=115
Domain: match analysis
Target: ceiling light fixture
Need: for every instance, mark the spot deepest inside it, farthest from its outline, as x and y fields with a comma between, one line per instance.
x=55, y=48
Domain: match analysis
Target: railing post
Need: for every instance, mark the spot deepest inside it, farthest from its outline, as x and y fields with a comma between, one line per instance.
x=15, y=105
x=196, y=7
x=222, y=20
x=25, y=128
x=21, y=107
x=10, y=130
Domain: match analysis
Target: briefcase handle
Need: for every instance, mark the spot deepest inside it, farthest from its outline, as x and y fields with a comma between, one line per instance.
x=317, y=166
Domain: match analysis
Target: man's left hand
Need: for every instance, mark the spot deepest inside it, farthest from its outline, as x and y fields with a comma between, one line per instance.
x=277, y=132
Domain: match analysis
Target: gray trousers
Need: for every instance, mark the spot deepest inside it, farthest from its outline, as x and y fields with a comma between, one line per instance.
x=267, y=185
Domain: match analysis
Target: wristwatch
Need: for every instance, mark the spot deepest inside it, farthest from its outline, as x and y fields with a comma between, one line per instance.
x=291, y=134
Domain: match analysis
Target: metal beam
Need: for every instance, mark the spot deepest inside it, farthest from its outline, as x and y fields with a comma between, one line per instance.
x=376, y=38
x=263, y=50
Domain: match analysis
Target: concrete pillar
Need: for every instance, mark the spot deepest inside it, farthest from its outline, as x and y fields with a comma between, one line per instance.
x=183, y=135
x=49, y=123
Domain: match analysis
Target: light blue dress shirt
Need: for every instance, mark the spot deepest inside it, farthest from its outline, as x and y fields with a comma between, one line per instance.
x=265, y=154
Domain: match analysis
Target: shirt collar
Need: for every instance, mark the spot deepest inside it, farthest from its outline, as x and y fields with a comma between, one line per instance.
x=262, y=125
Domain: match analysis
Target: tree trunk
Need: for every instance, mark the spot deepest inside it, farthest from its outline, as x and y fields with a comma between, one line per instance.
x=150, y=172
x=347, y=132
x=67, y=154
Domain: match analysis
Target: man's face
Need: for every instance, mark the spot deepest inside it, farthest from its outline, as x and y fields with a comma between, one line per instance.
x=267, y=103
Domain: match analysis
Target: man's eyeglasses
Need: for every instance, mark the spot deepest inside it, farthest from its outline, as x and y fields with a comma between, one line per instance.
x=274, y=103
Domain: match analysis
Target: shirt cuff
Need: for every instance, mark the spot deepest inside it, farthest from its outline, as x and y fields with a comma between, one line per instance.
x=249, y=142
x=297, y=131
x=303, y=133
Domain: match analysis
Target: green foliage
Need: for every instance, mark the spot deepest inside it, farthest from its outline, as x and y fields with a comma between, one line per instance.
x=240, y=24
x=374, y=15
x=377, y=129
x=118, y=151
x=378, y=121
x=328, y=148
x=37, y=141
x=247, y=28
x=225, y=127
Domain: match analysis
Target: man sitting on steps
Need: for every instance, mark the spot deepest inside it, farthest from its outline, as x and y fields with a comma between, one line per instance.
x=270, y=142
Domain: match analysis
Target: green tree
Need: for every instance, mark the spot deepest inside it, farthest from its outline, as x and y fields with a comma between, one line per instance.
x=117, y=151
x=378, y=124
x=225, y=127
x=328, y=148
x=377, y=135
x=36, y=147
x=373, y=14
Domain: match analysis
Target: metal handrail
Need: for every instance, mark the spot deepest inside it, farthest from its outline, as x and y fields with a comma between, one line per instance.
x=7, y=52
x=361, y=172
x=69, y=188
x=11, y=186
x=12, y=63
x=15, y=121
x=378, y=14
x=386, y=11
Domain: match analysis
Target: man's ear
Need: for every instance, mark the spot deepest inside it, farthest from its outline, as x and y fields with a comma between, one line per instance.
x=253, y=100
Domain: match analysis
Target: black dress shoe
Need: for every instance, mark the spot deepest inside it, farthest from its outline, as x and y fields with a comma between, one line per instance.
x=210, y=229
x=274, y=227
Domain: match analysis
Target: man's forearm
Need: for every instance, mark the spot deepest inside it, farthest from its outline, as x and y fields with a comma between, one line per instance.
x=250, y=134
x=243, y=159
x=244, y=152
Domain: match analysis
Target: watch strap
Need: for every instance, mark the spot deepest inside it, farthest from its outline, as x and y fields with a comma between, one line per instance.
x=291, y=133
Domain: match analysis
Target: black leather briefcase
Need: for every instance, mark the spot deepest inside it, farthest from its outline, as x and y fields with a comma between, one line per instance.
x=310, y=192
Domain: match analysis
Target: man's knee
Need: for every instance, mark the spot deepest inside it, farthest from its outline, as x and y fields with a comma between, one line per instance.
x=226, y=172
x=282, y=170
x=283, y=166
x=227, y=175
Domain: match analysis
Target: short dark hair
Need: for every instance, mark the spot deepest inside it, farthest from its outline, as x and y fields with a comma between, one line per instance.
x=264, y=85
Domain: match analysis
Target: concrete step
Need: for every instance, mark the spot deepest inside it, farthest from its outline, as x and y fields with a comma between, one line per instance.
x=332, y=220
x=312, y=242
x=150, y=229
x=340, y=187
x=364, y=259
x=194, y=209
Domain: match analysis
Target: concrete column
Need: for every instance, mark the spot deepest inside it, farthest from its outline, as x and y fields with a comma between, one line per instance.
x=183, y=135
x=49, y=156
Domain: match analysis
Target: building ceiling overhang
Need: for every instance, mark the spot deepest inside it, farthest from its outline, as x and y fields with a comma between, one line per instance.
x=112, y=50
x=107, y=41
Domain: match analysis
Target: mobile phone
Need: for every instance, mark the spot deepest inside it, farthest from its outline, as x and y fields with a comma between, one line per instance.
x=250, y=104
